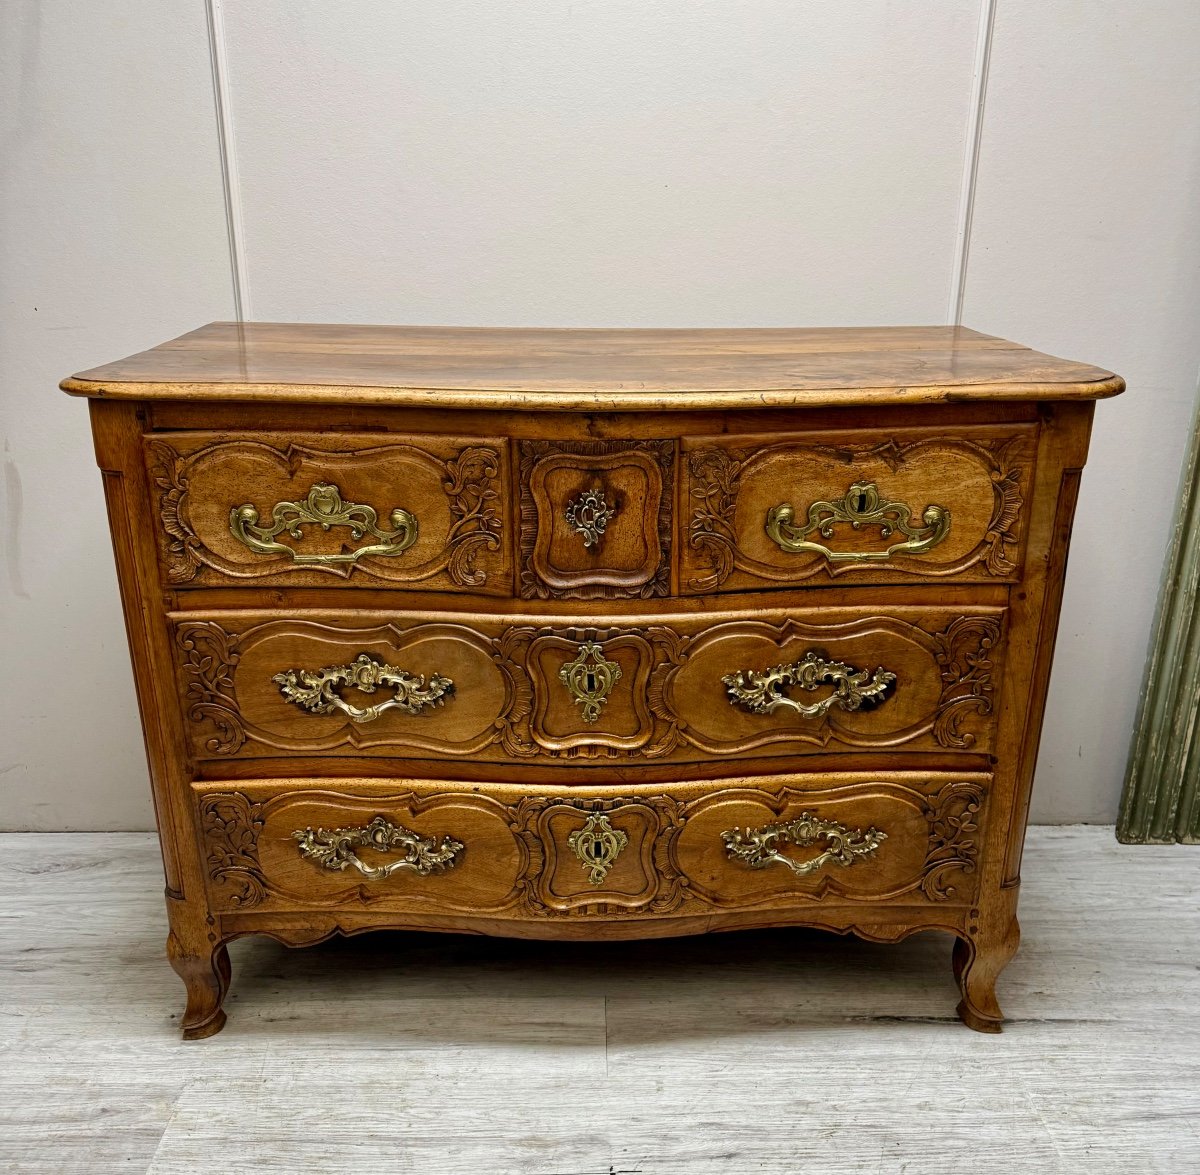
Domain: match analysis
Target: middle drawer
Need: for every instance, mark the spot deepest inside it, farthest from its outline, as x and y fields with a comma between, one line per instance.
x=669, y=688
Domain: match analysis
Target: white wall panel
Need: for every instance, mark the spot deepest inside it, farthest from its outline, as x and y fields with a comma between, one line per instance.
x=112, y=238
x=682, y=162
x=1086, y=243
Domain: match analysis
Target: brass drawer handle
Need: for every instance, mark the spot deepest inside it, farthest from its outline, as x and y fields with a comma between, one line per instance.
x=334, y=849
x=589, y=515
x=759, y=847
x=862, y=506
x=324, y=508
x=314, y=689
x=761, y=690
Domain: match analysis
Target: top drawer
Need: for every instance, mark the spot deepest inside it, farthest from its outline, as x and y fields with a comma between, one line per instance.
x=302, y=510
x=865, y=505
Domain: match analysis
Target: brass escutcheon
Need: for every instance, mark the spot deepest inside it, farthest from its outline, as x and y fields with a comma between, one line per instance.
x=590, y=679
x=597, y=845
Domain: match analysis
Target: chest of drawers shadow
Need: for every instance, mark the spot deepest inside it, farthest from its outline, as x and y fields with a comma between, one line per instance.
x=590, y=634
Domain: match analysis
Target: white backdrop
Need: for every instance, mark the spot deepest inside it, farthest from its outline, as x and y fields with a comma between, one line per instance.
x=618, y=162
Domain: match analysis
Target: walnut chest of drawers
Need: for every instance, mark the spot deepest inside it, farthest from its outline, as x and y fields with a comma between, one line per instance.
x=590, y=634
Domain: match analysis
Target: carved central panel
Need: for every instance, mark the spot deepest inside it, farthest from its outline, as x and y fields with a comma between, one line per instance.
x=596, y=518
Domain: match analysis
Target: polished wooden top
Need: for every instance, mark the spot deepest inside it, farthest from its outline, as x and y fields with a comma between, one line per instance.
x=569, y=369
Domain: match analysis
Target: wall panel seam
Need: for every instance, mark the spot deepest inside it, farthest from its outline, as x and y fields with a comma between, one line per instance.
x=966, y=203
x=226, y=146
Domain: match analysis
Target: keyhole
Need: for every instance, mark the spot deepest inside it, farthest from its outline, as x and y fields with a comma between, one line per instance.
x=597, y=850
x=590, y=678
x=860, y=501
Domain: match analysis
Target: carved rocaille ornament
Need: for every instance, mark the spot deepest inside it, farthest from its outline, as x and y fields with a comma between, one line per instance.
x=657, y=820
x=953, y=823
x=209, y=656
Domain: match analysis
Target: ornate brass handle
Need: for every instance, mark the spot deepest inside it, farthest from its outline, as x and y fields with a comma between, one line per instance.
x=589, y=515
x=324, y=508
x=334, y=849
x=862, y=506
x=759, y=847
x=761, y=690
x=313, y=689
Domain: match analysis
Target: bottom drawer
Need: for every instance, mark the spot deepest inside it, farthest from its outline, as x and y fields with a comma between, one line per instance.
x=497, y=851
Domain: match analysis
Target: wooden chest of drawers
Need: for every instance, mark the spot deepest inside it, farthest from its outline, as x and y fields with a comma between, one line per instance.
x=590, y=634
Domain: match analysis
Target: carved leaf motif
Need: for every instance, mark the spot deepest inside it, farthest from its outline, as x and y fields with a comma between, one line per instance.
x=209, y=656
x=231, y=824
x=952, y=849
x=716, y=479
x=963, y=654
x=470, y=484
x=182, y=541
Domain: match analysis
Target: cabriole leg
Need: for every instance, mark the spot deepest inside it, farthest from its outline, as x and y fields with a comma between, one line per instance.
x=206, y=977
x=978, y=961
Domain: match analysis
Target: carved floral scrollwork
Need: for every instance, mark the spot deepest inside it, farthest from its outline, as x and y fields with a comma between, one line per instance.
x=952, y=814
x=716, y=479
x=209, y=656
x=182, y=542
x=471, y=480
x=963, y=655
x=230, y=824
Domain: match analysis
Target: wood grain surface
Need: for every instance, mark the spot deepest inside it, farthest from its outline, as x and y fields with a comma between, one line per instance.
x=572, y=370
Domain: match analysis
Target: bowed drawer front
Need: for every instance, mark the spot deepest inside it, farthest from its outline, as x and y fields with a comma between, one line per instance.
x=590, y=634
x=433, y=849
x=772, y=682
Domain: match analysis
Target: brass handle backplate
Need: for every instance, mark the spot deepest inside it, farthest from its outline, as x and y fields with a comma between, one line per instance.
x=862, y=506
x=314, y=689
x=589, y=515
x=761, y=690
x=760, y=847
x=324, y=508
x=597, y=845
x=334, y=849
